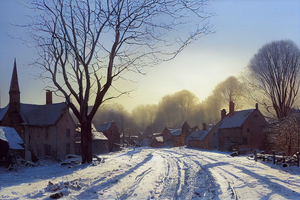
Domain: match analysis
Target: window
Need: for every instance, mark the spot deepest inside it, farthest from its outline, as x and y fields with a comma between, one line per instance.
x=46, y=134
x=68, y=133
x=248, y=130
x=68, y=148
x=245, y=140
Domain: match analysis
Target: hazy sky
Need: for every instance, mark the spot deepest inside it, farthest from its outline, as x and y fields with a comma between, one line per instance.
x=242, y=27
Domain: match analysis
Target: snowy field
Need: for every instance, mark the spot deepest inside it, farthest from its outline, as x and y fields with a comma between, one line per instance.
x=148, y=173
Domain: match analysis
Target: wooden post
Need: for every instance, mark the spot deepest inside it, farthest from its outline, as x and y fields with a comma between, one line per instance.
x=274, y=158
x=264, y=157
x=255, y=155
x=283, y=158
x=298, y=159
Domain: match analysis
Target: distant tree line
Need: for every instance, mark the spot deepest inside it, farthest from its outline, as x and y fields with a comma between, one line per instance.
x=173, y=109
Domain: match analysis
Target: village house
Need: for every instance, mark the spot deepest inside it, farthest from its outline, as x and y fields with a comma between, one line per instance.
x=203, y=139
x=179, y=135
x=47, y=130
x=157, y=140
x=161, y=139
x=240, y=130
x=145, y=137
x=10, y=143
x=110, y=130
x=99, y=142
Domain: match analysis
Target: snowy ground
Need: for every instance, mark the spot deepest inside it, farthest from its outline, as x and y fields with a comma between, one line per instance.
x=147, y=173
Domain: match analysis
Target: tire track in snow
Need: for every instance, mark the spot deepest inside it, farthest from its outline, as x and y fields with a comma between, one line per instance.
x=172, y=177
x=235, y=183
x=198, y=183
x=188, y=170
x=225, y=184
x=128, y=193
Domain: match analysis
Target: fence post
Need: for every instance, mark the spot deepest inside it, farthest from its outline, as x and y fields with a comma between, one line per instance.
x=264, y=156
x=298, y=159
x=255, y=155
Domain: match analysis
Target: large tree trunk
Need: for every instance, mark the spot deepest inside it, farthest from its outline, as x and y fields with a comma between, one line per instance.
x=86, y=141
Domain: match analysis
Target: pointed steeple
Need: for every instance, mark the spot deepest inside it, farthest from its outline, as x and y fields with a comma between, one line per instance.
x=12, y=117
x=14, y=84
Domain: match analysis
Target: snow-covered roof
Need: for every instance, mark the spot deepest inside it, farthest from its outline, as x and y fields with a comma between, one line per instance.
x=175, y=132
x=159, y=138
x=198, y=135
x=235, y=119
x=11, y=136
x=41, y=115
x=103, y=127
x=98, y=136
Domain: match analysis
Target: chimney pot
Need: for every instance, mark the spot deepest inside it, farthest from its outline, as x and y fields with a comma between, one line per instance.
x=204, y=126
x=48, y=97
x=223, y=114
x=231, y=107
x=256, y=106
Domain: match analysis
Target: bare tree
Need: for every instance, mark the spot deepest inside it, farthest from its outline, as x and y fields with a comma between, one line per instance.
x=274, y=71
x=229, y=90
x=144, y=115
x=283, y=135
x=84, y=46
x=174, y=109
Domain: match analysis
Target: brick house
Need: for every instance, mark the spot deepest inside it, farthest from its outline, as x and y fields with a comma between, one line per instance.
x=110, y=130
x=161, y=139
x=157, y=140
x=241, y=130
x=203, y=139
x=47, y=130
x=179, y=135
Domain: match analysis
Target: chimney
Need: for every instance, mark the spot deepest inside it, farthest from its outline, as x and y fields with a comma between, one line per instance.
x=48, y=97
x=204, y=126
x=223, y=114
x=231, y=107
x=256, y=106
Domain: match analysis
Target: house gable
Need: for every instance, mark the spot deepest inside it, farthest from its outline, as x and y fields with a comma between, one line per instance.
x=111, y=131
x=241, y=130
x=235, y=119
x=42, y=115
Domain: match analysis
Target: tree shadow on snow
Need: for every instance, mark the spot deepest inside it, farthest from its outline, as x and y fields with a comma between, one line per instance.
x=34, y=174
x=275, y=188
x=92, y=192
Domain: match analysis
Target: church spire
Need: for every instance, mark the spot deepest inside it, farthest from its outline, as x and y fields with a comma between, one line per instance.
x=12, y=117
x=14, y=84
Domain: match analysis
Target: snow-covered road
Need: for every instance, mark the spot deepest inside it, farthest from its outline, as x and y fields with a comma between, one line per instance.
x=148, y=173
